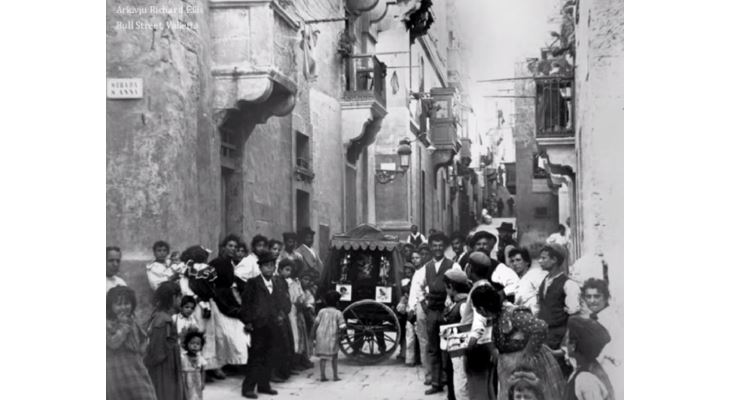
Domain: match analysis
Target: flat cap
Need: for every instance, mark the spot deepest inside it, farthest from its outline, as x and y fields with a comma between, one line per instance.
x=480, y=258
x=456, y=275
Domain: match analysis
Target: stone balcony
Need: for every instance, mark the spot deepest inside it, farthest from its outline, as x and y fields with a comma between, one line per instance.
x=364, y=103
x=250, y=78
x=443, y=124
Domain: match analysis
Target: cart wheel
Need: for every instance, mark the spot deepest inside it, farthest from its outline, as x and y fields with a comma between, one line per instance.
x=373, y=332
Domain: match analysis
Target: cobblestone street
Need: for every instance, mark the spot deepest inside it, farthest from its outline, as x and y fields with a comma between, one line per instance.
x=390, y=380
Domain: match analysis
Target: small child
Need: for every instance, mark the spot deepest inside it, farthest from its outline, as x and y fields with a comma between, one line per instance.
x=126, y=376
x=193, y=364
x=524, y=385
x=309, y=301
x=163, y=354
x=327, y=328
x=409, y=337
x=161, y=269
x=184, y=320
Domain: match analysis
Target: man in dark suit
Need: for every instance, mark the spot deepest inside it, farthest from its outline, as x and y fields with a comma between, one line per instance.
x=311, y=259
x=265, y=304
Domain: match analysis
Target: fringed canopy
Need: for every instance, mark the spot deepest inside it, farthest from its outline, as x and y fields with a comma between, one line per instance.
x=364, y=237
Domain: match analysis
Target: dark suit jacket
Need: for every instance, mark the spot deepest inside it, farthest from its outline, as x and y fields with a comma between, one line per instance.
x=311, y=261
x=261, y=308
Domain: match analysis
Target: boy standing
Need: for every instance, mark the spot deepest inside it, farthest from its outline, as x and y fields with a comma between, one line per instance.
x=265, y=303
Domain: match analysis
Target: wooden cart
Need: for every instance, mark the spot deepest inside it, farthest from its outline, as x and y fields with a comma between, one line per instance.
x=365, y=266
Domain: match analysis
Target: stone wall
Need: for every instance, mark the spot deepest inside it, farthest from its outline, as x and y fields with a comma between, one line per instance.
x=531, y=193
x=319, y=115
x=599, y=123
x=599, y=141
x=162, y=150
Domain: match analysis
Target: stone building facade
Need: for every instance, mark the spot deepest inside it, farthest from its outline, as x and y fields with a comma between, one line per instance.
x=245, y=125
x=426, y=110
x=536, y=206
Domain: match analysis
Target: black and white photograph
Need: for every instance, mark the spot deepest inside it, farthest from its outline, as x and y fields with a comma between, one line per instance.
x=365, y=199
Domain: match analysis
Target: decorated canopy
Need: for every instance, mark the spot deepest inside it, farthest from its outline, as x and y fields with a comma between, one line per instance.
x=369, y=239
x=364, y=237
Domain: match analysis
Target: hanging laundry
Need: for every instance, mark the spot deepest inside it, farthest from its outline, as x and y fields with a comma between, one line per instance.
x=309, y=41
x=394, y=82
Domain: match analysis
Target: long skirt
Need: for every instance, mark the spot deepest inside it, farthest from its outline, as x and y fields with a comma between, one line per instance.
x=127, y=377
x=230, y=339
x=295, y=329
x=544, y=365
x=305, y=348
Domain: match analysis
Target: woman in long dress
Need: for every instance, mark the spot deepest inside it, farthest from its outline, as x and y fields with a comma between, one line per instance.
x=231, y=339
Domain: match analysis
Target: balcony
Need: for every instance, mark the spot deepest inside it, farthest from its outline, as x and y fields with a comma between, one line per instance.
x=363, y=103
x=554, y=118
x=554, y=107
x=365, y=80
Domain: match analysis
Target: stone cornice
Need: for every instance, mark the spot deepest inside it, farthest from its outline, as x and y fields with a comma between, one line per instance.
x=238, y=3
x=278, y=9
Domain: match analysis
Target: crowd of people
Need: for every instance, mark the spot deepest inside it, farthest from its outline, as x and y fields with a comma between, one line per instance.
x=253, y=310
x=534, y=331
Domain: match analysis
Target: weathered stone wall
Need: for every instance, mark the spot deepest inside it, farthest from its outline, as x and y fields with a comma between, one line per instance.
x=318, y=115
x=531, y=193
x=162, y=150
x=599, y=122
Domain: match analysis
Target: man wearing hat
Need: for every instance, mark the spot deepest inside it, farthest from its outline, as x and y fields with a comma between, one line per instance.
x=265, y=304
x=310, y=258
x=498, y=274
x=506, y=232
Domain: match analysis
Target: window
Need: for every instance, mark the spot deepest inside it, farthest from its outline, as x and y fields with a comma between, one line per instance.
x=229, y=152
x=303, y=152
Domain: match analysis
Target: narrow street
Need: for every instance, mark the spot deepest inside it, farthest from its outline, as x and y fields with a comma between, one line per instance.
x=390, y=380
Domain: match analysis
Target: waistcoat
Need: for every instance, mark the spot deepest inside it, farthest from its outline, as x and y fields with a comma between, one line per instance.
x=436, y=295
x=552, y=302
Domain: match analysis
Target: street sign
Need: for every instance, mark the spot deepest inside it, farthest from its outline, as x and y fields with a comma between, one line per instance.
x=124, y=88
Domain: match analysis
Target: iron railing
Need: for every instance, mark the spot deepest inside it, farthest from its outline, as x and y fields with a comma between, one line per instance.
x=554, y=107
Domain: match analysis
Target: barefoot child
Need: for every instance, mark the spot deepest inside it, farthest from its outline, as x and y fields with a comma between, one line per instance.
x=126, y=376
x=193, y=364
x=327, y=327
x=163, y=354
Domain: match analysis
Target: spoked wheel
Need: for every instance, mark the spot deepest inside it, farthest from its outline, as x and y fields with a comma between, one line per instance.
x=373, y=332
